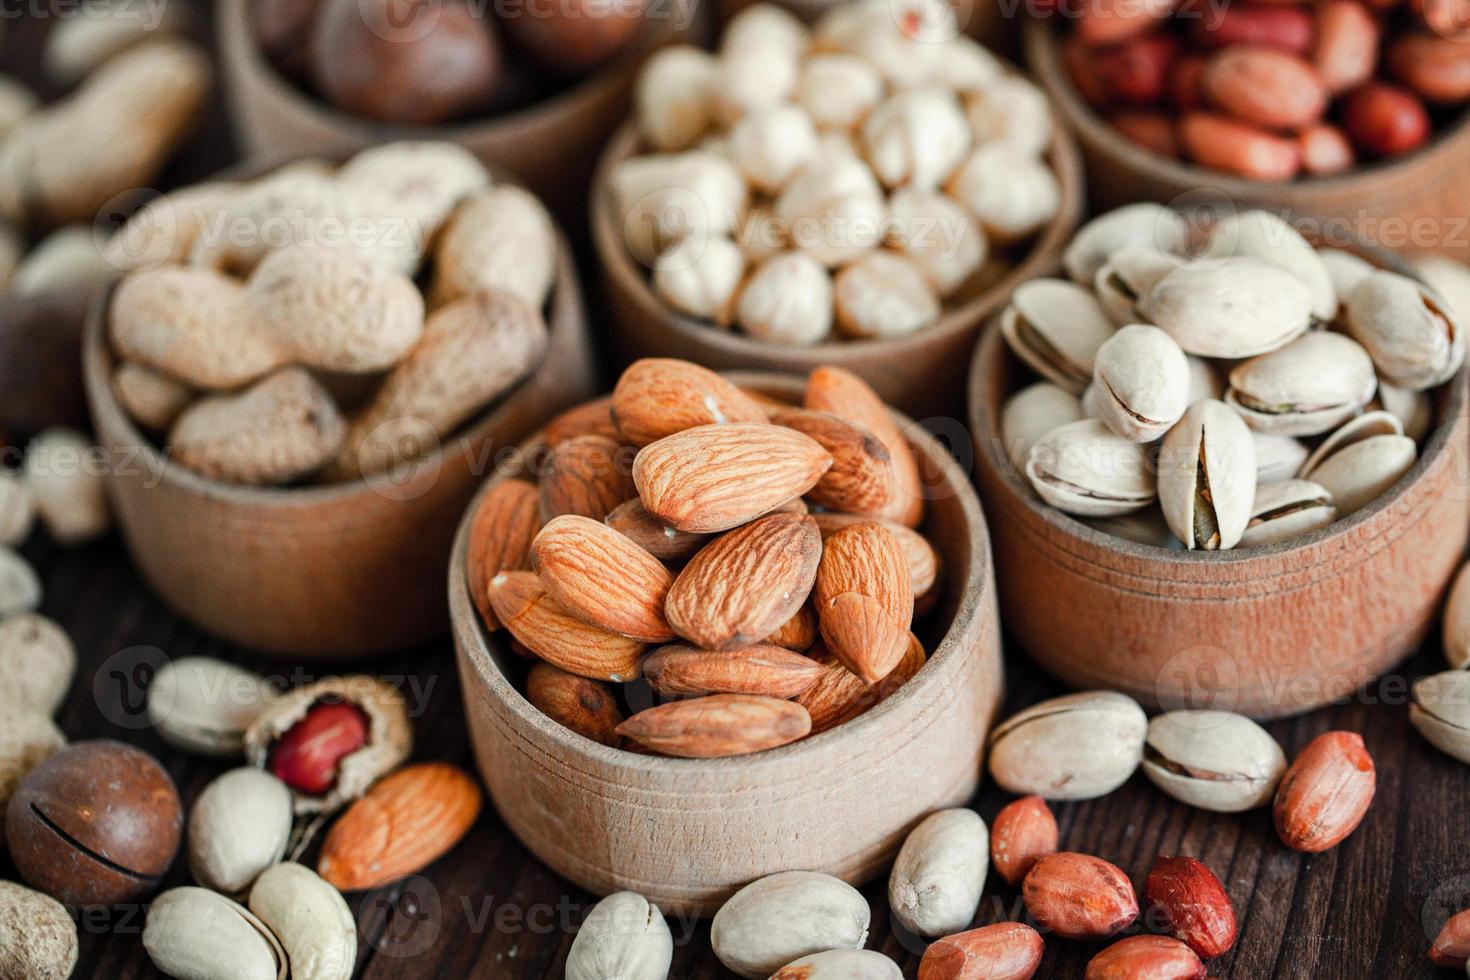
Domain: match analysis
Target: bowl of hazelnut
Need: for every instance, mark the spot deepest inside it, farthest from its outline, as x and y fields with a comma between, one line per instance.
x=861, y=193
x=530, y=88
x=1350, y=111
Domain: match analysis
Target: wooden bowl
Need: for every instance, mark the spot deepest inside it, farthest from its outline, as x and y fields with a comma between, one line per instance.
x=1267, y=631
x=687, y=833
x=548, y=146
x=922, y=374
x=1382, y=202
x=334, y=571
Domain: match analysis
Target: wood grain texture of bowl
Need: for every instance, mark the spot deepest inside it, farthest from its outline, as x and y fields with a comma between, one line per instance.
x=1417, y=202
x=1267, y=631
x=549, y=146
x=323, y=572
x=687, y=833
x=922, y=374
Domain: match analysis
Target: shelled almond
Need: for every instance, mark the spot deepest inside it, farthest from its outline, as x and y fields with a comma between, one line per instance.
x=678, y=536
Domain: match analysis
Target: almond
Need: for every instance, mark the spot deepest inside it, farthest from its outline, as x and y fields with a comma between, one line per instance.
x=679, y=670
x=592, y=418
x=586, y=706
x=1024, y=832
x=657, y=397
x=602, y=577
x=719, y=725
x=1078, y=896
x=924, y=561
x=632, y=519
x=1325, y=793
x=1190, y=904
x=401, y=826
x=1155, y=957
x=840, y=695
x=1004, y=951
x=865, y=599
x=1265, y=86
x=844, y=394
x=500, y=539
x=861, y=478
x=586, y=475
x=551, y=632
x=797, y=633
x=715, y=477
x=1452, y=946
x=745, y=584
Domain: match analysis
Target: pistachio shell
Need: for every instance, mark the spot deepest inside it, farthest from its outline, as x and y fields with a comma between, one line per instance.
x=1056, y=327
x=1075, y=747
x=1345, y=269
x=204, y=705
x=1141, y=383
x=1451, y=278
x=1408, y=328
x=1031, y=413
x=1441, y=712
x=935, y=886
x=1360, y=472
x=1287, y=509
x=841, y=964
x=1413, y=409
x=783, y=916
x=310, y=918
x=1148, y=225
x=1204, y=380
x=1379, y=423
x=1313, y=384
x=1084, y=468
x=1263, y=235
x=1214, y=760
x=239, y=827
x=195, y=934
x=1128, y=275
x=1207, y=476
x=624, y=936
x=1277, y=457
x=1236, y=307
x=1457, y=621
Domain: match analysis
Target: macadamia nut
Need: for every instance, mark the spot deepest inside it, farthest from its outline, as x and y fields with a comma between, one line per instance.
x=700, y=276
x=787, y=300
x=884, y=295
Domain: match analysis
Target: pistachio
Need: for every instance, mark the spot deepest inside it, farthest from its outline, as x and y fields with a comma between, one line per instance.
x=1346, y=271
x=784, y=916
x=1415, y=339
x=1141, y=380
x=1263, y=235
x=311, y=920
x=1376, y=423
x=1075, y=747
x=1031, y=413
x=1214, y=760
x=1207, y=477
x=195, y=934
x=1056, y=327
x=1204, y=380
x=1441, y=712
x=1277, y=457
x=841, y=964
x=1127, y=276
x=38, y=662
x=1457, y=621
x=1361, y=460
x=1147, y=225
x=1235, y=307
x=1413, y=409
x=624, y=936
x=1013, y=193
x=1287, y=509
x=204, y=705
x=1084, y=468
x=1451, y=278
x=934, y=888
x=239, y=827
x=1313, y=384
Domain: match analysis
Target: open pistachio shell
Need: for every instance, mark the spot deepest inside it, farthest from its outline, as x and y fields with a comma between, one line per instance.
x=1263, y=235
x=1148, y=225
x=1408, y=328
x=1277, y=457
x=1441, y=712
x=1361, y=472
x=1140, y=383
x=1368, y=424
x=1346, y=270
x=1451, y=278
x=1056, y=327
x=1127, y=276
x=196, y=933
x=1031, y=413
x=1084, y=468
x=1214, y=760
x=1074, y=747
x=1236, y=307
x=1413, y=409
x=1207, y=477
x=1310, y=386
x=1287, y=509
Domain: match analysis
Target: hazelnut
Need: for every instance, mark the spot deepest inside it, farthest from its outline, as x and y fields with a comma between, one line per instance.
x=905, y=40
x=404, y=61
x=760, y=236
x=1013, y=193
x=838, y=90
x=884, y=295
x=664, y=197
x=760, y=57
x=769, y=145
x=788, y=300
x=574, y=37
x=1013, y=111
x=700, y=276
x=940, y=236
x=916, y=138
x=965, y=66
x=833, y=210
x=673, y=97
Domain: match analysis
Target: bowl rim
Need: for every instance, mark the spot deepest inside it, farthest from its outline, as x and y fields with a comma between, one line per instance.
x=618, y=264
x=1042, y=48
x=975, y=589
x=566, y=318
x=985, y=432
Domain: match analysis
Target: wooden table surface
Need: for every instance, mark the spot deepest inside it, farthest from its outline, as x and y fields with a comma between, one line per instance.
x=1365, y=910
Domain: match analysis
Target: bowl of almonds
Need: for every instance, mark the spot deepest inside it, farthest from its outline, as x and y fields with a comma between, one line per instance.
x=696, y=616
x=301, y=372
x=860, y=193
x=1221, y=461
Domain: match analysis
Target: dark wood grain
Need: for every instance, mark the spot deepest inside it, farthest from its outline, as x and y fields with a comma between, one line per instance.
x=1364, y=911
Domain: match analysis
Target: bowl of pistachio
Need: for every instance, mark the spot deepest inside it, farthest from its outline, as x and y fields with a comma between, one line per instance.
x=1224, y=463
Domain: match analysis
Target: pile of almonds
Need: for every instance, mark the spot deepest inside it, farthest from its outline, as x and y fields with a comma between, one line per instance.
x=755, y=562
x=1271, y=90
x=328, y=323
x=859, y=174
